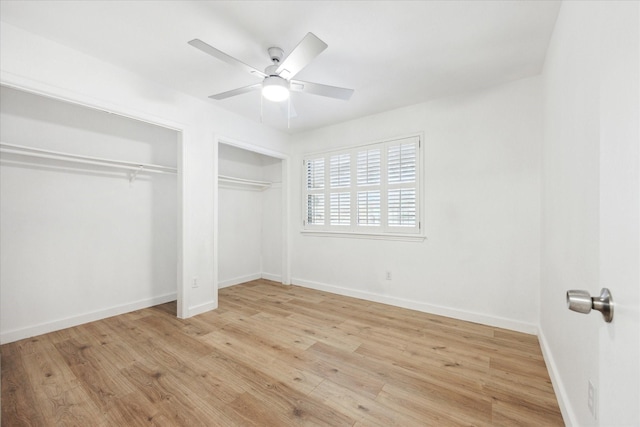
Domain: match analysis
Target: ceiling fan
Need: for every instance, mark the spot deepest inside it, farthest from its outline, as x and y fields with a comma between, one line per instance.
x=277, y=78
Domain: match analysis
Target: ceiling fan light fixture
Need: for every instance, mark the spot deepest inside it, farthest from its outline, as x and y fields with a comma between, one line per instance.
x=275, y=89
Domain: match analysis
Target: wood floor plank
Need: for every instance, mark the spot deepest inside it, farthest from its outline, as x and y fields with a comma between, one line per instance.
x=170, y=395
x=20, y=405
x=361, y=408
x=136, y=411
x=463, y=381
x=252, y=409
x=267, y=356
x=170, y=334
x=273, y=327
x=330, y=335
x=96, y=374
x=513, y=414
x=430, y=410
x=276, y=394
x=280, y=356
x=55, y=384
x=119, y=352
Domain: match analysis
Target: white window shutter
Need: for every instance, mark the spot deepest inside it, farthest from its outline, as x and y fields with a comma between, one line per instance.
x=401, y=163
x=315, y=184
x=368, y=166
x=340, y=170
x=315, y=209
x=315, y=173
x=369, y=208
x=402, y=207
x=340, y=208
x=369, y=172
x=373, y=189
x=402, y=168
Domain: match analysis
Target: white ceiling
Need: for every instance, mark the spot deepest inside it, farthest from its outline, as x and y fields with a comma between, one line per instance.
x=392, y=53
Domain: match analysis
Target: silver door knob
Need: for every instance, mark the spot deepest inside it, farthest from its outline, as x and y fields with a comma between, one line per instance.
x=583, y=302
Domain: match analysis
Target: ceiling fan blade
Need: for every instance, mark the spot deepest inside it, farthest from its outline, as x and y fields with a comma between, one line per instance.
x=234, y=92
x=199, y=44
x=310, y=47
x=322, y=90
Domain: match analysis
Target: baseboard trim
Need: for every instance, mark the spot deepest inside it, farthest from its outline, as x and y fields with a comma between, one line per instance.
x=201, y=308
x=56, y=325
x=238, y=280
x=559, y=389
x=498, y=322
x=248, y=278
x=272, y=277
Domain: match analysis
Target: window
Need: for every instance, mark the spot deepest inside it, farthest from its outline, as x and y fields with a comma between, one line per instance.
x=372, y=189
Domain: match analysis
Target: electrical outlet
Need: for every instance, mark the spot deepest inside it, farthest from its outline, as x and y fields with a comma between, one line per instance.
x=195, y=284
x=592, y=400
x=388, y=275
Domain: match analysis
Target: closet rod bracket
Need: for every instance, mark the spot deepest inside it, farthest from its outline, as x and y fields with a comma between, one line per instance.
x=134, y=174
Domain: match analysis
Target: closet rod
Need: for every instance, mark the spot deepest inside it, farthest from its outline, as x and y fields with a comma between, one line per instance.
x=76, y=158
x=224, y=179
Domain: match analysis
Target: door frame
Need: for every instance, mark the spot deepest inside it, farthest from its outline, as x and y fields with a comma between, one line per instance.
x=42, y=89
x=286, y=262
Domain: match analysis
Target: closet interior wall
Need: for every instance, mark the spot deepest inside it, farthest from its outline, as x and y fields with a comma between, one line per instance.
x=82, y=241
x=249, y=216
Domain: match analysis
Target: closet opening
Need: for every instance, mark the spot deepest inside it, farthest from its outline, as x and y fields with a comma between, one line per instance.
x=252, y=232
x=89, y=214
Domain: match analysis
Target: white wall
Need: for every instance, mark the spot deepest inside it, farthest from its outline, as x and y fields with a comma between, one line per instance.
x=590, y=207
x=273, y=220
x=32, y=62
x=250, y=222
x=77, y=241
x=272, y=229
x=240, y=239
x=480, y=260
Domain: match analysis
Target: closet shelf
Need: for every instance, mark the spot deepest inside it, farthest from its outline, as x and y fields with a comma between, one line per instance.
x=90, y=160
x=241, y=183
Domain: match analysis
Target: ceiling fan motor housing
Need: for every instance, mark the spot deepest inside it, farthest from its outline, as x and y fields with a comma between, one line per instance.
x=276, y=54
x=271, y=70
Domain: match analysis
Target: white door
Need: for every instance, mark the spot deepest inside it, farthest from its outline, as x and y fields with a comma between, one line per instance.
x=619, y=341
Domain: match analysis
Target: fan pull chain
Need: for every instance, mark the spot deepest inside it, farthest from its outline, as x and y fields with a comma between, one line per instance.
x=261, y=108
x=289, y=112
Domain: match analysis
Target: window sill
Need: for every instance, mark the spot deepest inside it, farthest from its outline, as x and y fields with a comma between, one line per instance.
x=357, y=235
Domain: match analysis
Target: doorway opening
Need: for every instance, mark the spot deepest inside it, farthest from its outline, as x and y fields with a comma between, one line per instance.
x=252, y=227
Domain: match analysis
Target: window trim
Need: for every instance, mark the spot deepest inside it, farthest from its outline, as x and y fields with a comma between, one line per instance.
x=383, y=232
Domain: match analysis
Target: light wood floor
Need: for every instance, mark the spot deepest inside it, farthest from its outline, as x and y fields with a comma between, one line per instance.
x=273, y=355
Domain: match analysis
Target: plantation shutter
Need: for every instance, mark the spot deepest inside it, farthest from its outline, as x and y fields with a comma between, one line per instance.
x=371, y=189
x=340, y=170
x=340, y=179
x=315, y=174
x=315, y=191
x=368, y=187
x=402, y=167
x=369, y=167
